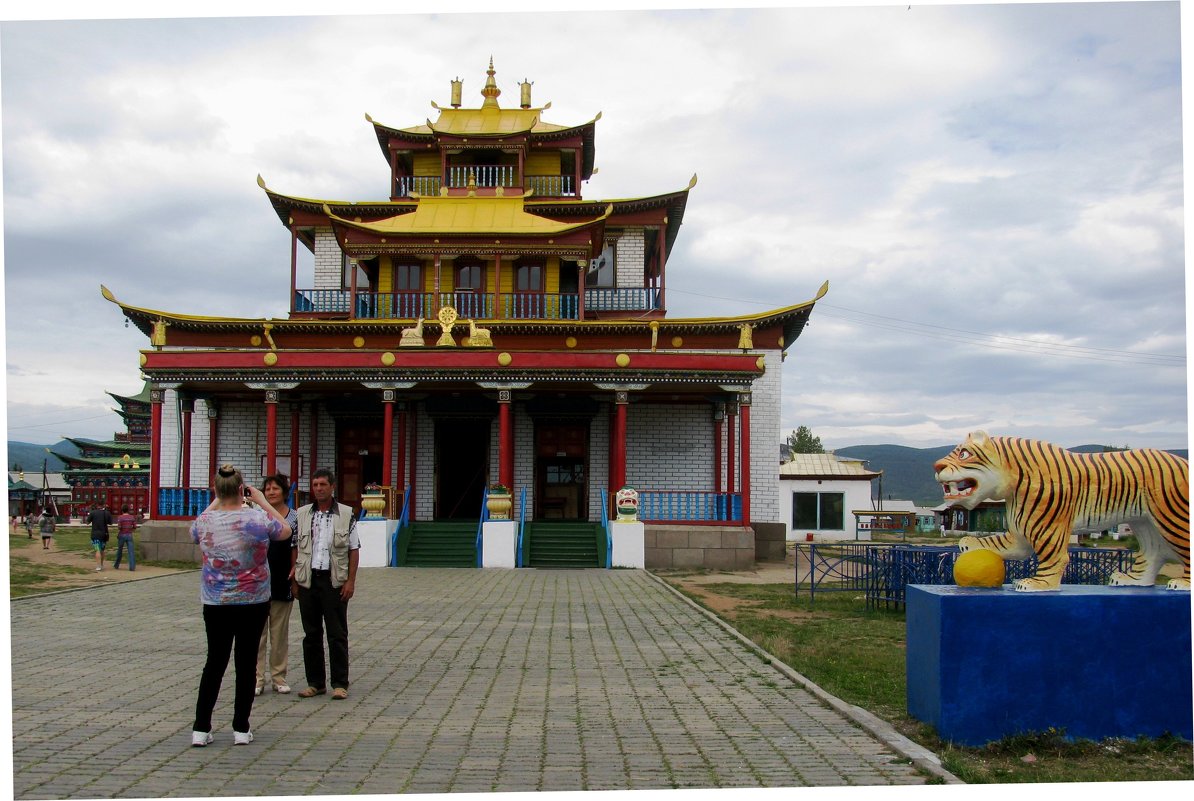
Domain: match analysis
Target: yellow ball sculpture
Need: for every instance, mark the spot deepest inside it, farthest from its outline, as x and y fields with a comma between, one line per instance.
x=978, y=568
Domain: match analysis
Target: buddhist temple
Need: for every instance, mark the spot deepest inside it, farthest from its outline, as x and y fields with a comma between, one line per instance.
x=115, y=472
x=484, y=325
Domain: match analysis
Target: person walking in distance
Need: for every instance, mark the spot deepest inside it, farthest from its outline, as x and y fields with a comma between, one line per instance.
x=126, y=524
x=46, y=525
x=99, y=518
x=327, y=549
x=234, y=587
x=275, y=488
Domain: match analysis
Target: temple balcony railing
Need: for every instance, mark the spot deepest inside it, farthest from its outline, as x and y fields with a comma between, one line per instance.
x=412, y=305
x=551, y=185
x=630, y=299
x=419, y=184
x=690, y=507
x=487, y=175
x=538, y=306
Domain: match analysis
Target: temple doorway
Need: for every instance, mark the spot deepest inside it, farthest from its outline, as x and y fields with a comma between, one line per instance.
x=461, y=465
x=359, y=460
x=561, y=470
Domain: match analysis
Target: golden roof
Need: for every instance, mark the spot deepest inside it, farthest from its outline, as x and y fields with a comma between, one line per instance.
x=467, y=215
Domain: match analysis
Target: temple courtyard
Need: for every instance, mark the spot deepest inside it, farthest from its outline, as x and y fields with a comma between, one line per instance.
x=462, y=680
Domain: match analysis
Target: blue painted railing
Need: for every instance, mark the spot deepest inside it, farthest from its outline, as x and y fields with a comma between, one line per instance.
x=539, y=306
x=403, y=522
x=725, y=507
x=882, y=571
x=623, y=299
x=182, y=501
x=609, y=536
x=481, y=523
x=522, y=522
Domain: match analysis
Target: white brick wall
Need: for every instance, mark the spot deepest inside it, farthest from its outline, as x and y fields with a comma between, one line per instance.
x=329, y=260
x=240, y=440
x=764, y=442
x=630, y=258
x=669, y=447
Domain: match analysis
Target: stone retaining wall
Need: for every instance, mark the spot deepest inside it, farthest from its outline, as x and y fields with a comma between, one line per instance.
x=770, y=542
x=711, y=547
x=167, y=540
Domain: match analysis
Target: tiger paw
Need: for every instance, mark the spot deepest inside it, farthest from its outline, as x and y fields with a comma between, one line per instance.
x=1121, y=579
x=1034, y=585
x=1180, y=584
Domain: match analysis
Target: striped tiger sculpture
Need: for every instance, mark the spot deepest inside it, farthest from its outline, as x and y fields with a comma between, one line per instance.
x=1050, y=492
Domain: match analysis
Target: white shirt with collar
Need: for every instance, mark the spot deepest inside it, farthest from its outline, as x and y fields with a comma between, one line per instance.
x=323, y=527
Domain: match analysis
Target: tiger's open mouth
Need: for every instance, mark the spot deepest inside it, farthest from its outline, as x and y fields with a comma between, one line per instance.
x=959, y=489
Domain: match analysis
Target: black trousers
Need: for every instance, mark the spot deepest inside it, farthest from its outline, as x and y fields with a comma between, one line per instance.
x=321, y=607
x=229, y=626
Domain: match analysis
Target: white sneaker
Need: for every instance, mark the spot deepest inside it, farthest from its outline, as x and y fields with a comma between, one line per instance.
x=258, y=691
x=282, y=688
x=242, y=737
x=201, y=738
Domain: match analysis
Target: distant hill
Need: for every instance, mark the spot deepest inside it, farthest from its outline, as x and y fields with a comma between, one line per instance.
x=908, y=472
x=30, y=456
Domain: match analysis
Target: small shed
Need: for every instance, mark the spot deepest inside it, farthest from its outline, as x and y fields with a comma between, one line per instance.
x=817, y=489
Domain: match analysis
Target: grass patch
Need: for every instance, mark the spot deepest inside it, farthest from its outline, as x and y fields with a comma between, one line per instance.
x=858, y=655
x=29, y=578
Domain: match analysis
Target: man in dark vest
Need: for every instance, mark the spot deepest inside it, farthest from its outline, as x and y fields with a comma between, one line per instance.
x=327, y=549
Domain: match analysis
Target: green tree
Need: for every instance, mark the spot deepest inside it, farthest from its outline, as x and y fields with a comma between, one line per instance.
x=802, y=441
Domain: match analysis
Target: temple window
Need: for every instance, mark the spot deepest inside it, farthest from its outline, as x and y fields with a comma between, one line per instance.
x=408, y=277
x=529, y=278
x=469, y=275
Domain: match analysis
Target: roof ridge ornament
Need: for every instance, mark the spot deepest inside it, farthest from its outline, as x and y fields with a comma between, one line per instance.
x=490, y=92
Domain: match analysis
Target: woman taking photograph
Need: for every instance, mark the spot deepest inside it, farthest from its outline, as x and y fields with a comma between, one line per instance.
x=235, y=590
x=275, y=488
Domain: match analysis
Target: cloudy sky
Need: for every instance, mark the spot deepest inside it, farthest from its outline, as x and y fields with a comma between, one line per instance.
x=993, y=192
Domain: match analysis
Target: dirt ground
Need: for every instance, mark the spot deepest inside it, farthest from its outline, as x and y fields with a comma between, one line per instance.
x=31, y=549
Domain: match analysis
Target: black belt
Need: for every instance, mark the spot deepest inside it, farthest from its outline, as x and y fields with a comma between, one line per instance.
x=316, y=572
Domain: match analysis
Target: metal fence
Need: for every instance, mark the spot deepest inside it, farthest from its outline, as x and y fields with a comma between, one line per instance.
x=882, y=571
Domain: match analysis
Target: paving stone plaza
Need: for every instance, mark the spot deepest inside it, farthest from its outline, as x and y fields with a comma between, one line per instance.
x=462, y=680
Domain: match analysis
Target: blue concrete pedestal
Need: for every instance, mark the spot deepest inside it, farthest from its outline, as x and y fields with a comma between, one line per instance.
x=1097, y=662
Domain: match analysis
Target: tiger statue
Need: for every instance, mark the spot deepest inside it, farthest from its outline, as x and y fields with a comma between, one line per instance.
x=1050, y=492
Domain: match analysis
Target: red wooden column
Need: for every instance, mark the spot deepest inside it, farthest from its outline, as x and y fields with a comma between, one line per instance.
x=719, y=416
x=505, y=440
x=313, y=445
x=271, y=431
x=618, y=473
x=414, y=456
x=401, y=482
x=580, y=290
x=155, y=449
x=744, y=403
x=294, y=443
x=387, y=439
x=731, y=445
x=213, y=442
x=188, y=411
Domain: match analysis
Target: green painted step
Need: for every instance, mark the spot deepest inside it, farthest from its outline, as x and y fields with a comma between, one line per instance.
x=563, y=544
x=443, y=544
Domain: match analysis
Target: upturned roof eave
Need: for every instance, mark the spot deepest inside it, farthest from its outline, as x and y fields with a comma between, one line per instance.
x=792, y=319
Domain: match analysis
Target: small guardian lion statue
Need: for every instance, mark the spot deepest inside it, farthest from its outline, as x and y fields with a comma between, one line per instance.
x=1050, y=492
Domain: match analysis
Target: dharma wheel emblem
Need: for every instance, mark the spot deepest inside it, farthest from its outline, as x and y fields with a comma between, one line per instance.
x=447, y=319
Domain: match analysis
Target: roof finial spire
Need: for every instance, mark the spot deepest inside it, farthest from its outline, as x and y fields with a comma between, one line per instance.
x=490, y=92
x=457, y=87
